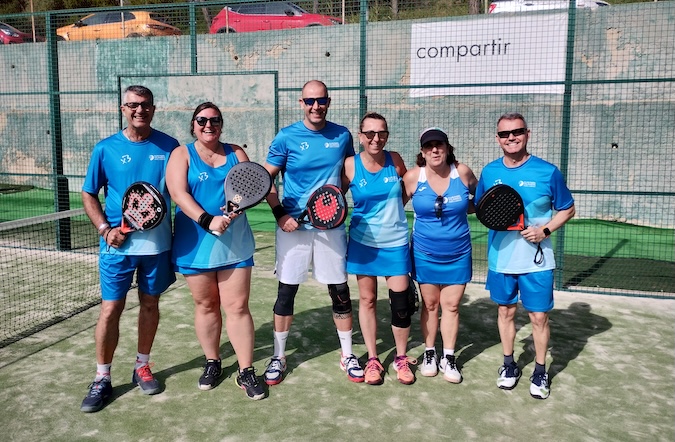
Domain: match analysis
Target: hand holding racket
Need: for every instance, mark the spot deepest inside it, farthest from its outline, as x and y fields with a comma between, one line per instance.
x=246, y=185
x=326, y=208
x=143, y=208
x=501, y=208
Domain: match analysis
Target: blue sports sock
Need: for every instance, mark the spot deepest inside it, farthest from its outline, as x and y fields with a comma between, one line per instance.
x=539, y=368
x=508, y=359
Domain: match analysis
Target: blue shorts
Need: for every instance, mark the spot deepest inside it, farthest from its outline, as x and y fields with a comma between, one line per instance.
x=154, y=274
x=428, y=269
x=373, y=261
x=536, y=289
x=193, y=271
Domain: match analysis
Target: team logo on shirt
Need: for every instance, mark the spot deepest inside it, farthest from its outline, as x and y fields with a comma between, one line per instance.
x=156, y=157
x=453, y=199
x=527, y=184
x=203, y=176
x=125, y=159
x=391, y=179
x=332, y=145
x=363, y=182
x=304, y=145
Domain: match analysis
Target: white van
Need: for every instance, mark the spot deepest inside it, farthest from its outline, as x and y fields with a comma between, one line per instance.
x=538, y=5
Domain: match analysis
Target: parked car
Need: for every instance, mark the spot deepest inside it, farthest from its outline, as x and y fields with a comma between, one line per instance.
x=251, y=17
x=11, y=35
x=117, y=25
x=537, y=5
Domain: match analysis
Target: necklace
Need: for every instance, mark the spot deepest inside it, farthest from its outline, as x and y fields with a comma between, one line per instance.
x=207, y=155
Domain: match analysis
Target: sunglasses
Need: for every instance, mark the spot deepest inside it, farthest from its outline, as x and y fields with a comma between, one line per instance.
x=310, y=101
x=146, y=105
x=215, y=121
x=516, y=132
x=370, y=134
x=438, y=206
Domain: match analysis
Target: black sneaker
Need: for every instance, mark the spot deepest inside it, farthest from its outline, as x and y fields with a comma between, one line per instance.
x=248, y=381
x=99, y=391
x=144, y=378
x=212, y=371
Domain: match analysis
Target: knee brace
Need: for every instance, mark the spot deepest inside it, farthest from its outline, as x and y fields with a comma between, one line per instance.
x=400, y=308
x=285, y=299
x=339, y=294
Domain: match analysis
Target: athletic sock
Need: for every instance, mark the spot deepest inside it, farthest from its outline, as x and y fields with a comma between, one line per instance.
x=448, y=352
x=508, y=359
x=141, y=360
x=426, y=349
x=345, y=342
x=102, y=372
x=280, y=339
x=539, y=368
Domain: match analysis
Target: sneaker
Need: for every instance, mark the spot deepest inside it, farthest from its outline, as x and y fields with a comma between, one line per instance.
x=403, y=371
x=429, y=364
x=374, y=372
x=248, y=381
x=539, y=388
x=212, y=371
x=99, y=391
x=508, y=376
x=351, y=366
x=450, y=370
x=144, y=378
x=274, y=373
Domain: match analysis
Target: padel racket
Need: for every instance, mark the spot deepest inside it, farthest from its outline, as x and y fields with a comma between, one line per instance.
x=143, y=208
x=502, y=208
x=246, y=185
x=326, y=208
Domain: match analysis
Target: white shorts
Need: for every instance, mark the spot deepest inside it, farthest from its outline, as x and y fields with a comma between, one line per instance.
x=324, y=251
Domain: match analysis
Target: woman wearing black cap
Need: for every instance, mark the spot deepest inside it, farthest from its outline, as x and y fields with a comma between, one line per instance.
x=440, y=189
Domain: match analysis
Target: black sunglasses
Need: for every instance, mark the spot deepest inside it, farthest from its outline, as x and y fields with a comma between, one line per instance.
x=370, y=134
x=515, y=132
x=310, y=101
x=215, y=121
x=146, y=105
x=438, y=206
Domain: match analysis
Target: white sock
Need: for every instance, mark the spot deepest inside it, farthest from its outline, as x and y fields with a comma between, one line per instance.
x=430, y=348
x=448, y=351
x=345, y=342
x=102, y=372
x=280, y=339
x=142, y=359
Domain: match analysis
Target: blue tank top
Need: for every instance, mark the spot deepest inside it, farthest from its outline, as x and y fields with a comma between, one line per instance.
x=196, y=248
x=449, y=235
x=378, y=218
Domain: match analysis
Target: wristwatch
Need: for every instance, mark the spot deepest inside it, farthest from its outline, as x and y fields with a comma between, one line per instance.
x=547, y=232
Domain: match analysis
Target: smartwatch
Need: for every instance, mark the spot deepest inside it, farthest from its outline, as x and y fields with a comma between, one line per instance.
x=547, y=232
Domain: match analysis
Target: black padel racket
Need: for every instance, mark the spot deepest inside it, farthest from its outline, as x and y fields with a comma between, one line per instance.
x=502, y=208
x=326, y=208
x=246, y=185
x=143, y=207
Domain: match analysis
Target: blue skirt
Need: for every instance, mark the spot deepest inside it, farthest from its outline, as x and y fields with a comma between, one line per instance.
x=373, y=261
x=427, y=269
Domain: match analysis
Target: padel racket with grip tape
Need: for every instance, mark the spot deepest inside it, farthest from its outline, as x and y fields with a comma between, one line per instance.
x=326, y=208
x=501, y=208
x=246, y=185
x=143, y=208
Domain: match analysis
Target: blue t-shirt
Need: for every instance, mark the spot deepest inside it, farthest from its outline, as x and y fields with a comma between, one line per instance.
x=308, y=159
x=378, y=219
x=116, y=163
x=448, y=236
x=194, y=247
x=543, y=188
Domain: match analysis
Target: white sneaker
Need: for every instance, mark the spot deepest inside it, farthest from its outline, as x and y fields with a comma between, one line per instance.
x=539, y=387
x=274, y=373
x=508, y=376
x=451, y=372
x=429, y=365
x=351, y=366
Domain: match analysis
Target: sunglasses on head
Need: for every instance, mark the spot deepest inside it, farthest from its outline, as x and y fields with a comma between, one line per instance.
x=515, y=132
x=215, y=121
x=438, y=206
x=370, y=134
x=146, y=105
x=310, y=101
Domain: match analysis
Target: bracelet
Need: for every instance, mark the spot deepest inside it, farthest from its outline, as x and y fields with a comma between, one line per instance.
x=205, y=221
x=106, y=235
x=279, y=212
x=102, y=227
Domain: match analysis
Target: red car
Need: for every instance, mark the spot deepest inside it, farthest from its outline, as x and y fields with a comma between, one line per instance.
x=10, y=35
x=251, y=17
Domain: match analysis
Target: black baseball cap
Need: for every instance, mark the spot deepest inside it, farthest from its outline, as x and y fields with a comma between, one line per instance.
x=433, y=134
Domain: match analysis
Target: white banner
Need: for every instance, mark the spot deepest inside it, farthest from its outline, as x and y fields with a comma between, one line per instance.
x=498, y=49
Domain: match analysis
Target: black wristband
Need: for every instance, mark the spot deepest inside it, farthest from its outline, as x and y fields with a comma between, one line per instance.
x=205, y=221
x=547, y=232
x=279, y=212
